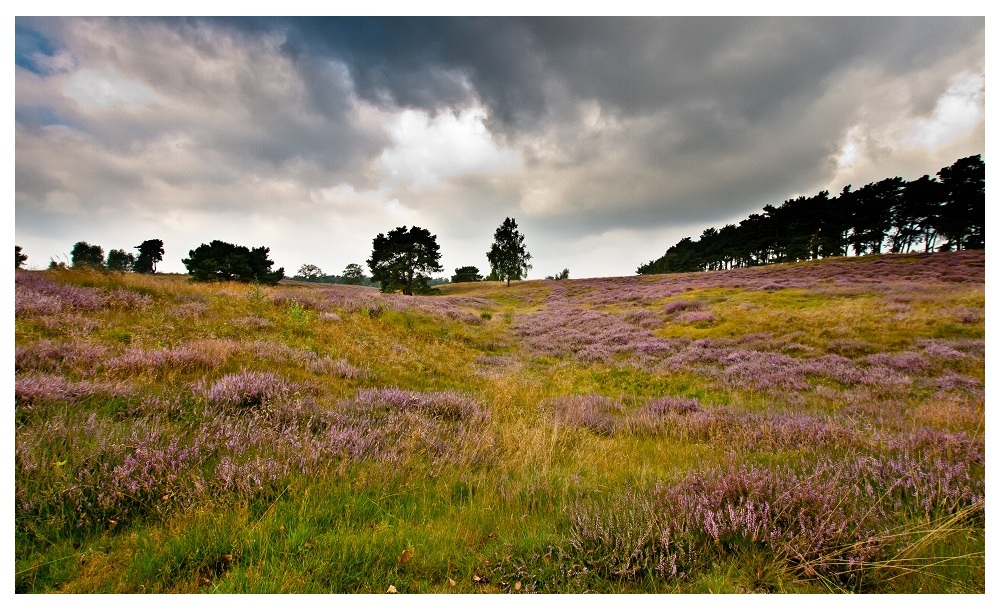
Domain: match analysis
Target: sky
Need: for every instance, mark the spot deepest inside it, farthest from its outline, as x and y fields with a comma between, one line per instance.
x=607, y=139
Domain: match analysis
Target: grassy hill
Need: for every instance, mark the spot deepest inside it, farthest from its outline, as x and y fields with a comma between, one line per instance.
x=810, y=427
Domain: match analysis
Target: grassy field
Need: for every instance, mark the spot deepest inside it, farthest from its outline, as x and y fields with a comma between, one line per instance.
x=817, y=427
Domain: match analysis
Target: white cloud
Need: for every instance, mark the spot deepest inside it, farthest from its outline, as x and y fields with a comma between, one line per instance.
x=957, y=112
x=427, y=150
x=97, y=89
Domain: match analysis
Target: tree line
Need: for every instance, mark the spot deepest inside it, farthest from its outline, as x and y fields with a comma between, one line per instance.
x=401, y=260
x=933, y=214
x=92, y=256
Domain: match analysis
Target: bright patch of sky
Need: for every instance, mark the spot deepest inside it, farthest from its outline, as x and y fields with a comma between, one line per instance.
x=426, y=151
x=958, y=111
x=97, y=89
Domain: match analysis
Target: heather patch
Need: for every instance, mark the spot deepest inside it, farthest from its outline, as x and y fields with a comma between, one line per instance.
x=33, y=389
x=36, y=294
x=244, y=390
x=49, y=356
x=838, y=520
x=190, y=310
x=390, y=424
x=201, y=356
x=278, y=352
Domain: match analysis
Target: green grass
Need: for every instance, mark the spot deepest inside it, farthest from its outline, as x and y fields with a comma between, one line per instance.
x=498, y=513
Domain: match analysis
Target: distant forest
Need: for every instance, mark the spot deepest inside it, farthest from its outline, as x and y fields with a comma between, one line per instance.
x=893, y=215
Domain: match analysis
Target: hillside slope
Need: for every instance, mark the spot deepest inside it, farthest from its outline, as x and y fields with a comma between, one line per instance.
x=809, y=427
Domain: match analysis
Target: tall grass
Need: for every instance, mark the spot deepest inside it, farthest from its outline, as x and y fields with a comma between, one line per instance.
x=811, y=427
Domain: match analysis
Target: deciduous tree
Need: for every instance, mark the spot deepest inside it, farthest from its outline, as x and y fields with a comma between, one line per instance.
x=466, y=274
x=85, y=254
x=403, y=258
x=309, y=272
x=508, y=256
x=353, y=275
x=219, y=261
x=121, y=261
x=150, y=252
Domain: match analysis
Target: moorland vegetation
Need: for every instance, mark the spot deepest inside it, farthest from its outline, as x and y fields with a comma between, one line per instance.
x=807, y=427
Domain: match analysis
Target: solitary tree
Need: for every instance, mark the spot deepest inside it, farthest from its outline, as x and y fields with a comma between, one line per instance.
x=84, y=254
x=508, y=257
x=121, y=261
x=19, y=258
x=466, y=274
x=309, y=272
x=353, y=275
x=219, y=261
x=403, y=258
x=150, y=252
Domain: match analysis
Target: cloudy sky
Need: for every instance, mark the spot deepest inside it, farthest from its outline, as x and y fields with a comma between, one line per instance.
x=607, y=139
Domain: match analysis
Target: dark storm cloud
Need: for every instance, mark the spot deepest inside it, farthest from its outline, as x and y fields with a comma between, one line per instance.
x=708, y=90
x=595, y=125
x=749, y=67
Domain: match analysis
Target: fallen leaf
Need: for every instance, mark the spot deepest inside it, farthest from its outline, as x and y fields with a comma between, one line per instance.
x=391, y=589
x=517, y=586
x=415, y=586
x=404, y=557
x=451, y=582
x=476, y=578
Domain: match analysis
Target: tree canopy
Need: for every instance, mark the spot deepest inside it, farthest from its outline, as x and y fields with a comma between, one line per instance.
x=219, y=261
x=508, y=256
x=353, y=275
x=85, y=254
x=309, y=272
x=150, y=252
x=466, y=274
x=121, y=261
x=890, y=214
x=19, y=258
x=403, y=260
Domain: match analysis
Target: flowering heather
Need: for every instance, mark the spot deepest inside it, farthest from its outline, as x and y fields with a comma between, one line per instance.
x=388, y=424
x=245, y=389
x=956, y=382
x=672, y=405
x=835, y=520
x=643, y=318
x=190, y=310
x=204, y=355
x=278, y=352
x=588, y=335
x=443, y=405
x=36, y=293
x=740, y=430
x=825, y=428
x=124, y=299
x=52, y=357
x=677, y=306
x=31, y=389
x=906, y=362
